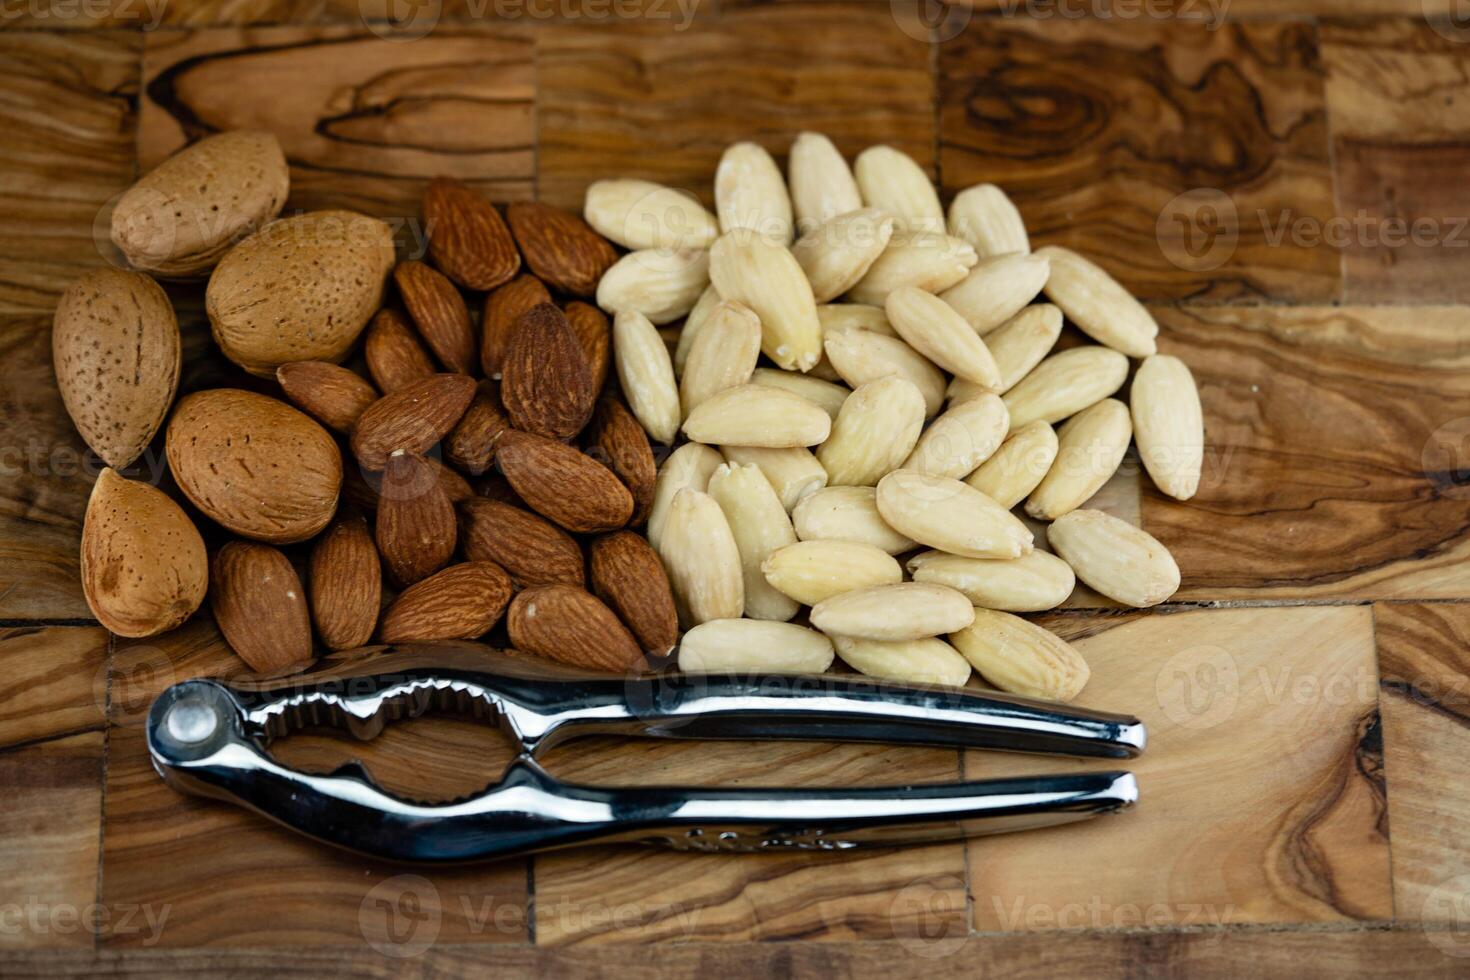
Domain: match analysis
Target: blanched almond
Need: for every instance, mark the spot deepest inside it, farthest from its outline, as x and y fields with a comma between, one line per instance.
x=1022, y=342
x=722, y=356
x=847, y=514
x=646, y=374
x=930, y=326
x=1119, y=560
x=767, y=278
x=924, y=661
x=951, y=516
x=702, y=559
x=704, y=308
x=1099, y=304
x=752, y=646
x=924, y=260
x=811, y=571
x=688, y=467
x=821, y=184
x=1021, y=657
x=844, y=316
x=758, y=415
x=639, y=214
x=906, y=611
x=890, y=179
x=750, y=193
x=836, y=254
x=662, y=285
x=983, y=216
x=760, y=526
x=1089, y=448
x=1018, y=466
x=861, y=356
x=1168, y=424
x=1066, y=383
x=997, y=288
x=793, y=473
x=824, y=393
x=1030, y=583
x=877, y=427
x=962, y=438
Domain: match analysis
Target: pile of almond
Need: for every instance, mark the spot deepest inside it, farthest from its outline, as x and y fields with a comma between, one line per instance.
x=912, y=393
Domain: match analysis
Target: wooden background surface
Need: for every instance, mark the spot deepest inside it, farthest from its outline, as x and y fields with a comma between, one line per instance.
x=1306, y=802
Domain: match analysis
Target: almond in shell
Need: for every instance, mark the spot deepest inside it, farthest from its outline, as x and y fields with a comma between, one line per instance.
x=574, y=627
x=468, y=241
x=462, y=602
x=532, y=549
x=346, y=584
x=260, y=606
x=627, y=575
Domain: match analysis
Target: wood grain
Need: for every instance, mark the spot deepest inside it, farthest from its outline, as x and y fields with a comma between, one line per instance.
x=54, y=682
x=1096, y=126
x=1261, y=793
x=1335, y=454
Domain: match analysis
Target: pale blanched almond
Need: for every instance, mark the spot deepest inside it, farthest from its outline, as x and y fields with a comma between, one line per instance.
x=890, y=180
x=1030, y=583
x=1168, y=424
x=860, y=356
x=1089, y=448
x=750, y=193
x=847, y=514
x=821, y=184
x=722, y=356
x=702, y=559
x=646, y=374
x=930, y=326
x=812, y=571
x=767, y=278
x=639, y=214
x=1022, y=342
x=1021, y=657
x=951, y=516
x=962, y=438
x=1119, y=560
x=760, y=416
x=704, y=308
x=760, y=526
x=928, y=660
x=924, y=260
x=861, y=316
x=987, y=219
x=1099, y=304
x=877, y=427
x=793, y=472
x=824, y=393
x=838, y=253
x=753, y=646
x=997, y=288
x=906, y=611
x=1066, y=383
x=1018, y=465
x=662, y=285
x=688, y=468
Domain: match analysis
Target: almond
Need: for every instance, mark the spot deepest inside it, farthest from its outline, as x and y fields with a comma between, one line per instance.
x=822, y=185
x=753, y=646
x=560, y=247
x=566, y=624
x=624, y=448
x=928, y=660
x=415, y=525
x=547, y=384
x=876, y=429
x=983, y=216
x=749, y=193
x=690, y=466
x=468, y=241
x=1168, y=424
x=1021, y=657
x=702, y=559
x=824, y=394
x=594, y=336
x=890, y=180
x=812, y=571
x=1030, y=583
x=847, y=514
x=755, y=415
x=722, y=356
x=439, y=312
x=115, y=347
x=996, y=289
x=639, y=214
x=838, y=253
x=395, y=357
x=905, y=611
x=260, y=606
x=962, y=438
x=1089, y=448
x=767, y=278
x=760, y=526
x=462, y=602
x=1098, y=304
x=1119, y=560
x=704, y=308
x=930, y=326
x=647, y=375
x=861, y=356
x=923, y=260
x=360, y=488
x=1066, y=383
x=412, y=418
x=628, y=576
x=860, y=316
x=503, y=308
x=1018, y=466
x=533, y=550
x=255, y=465
x=662, y=285
x=951, y=516
x=143, y=566
x=346, y=584
x=1021, y=343
x=330, y=393
x=793, y=473
x=562, y=484
x=471, y=444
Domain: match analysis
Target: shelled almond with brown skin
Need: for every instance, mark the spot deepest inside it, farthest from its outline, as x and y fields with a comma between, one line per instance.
x=546, y=384
x=462, y=602
x=838, y=253
x=722, y=356
x=1168, y=424
x=260, y=606
x=962, y=438
x=346, y=584
x=662, y=285
x=928, y=660
x=413, y=418
x=1098, y=304
x=755, y=415
x=813, y=571
x=594, y=334
x=503, y=306
x=439, y=312
x=560, y=247
x=415, y=525
x=1031, y=583
x=996, y=289
x=1066, y=383
x=847, y=514
x=766, y=277
x=923, y=260
x=1021, y=462
x=395, y=357
x=564, y=484
x=703, y=561
x=877, y=428
x=623, y=446
x=568, y=625
x=532, y=549
x=470, y=445
x=1089, y=448
x=468, y=240
x=760, y=526
x=753, y=646
x=255, y=465
x=1020, y=657
x=627, y=574
x=143, y=566
x=931, y=326
x=861, y=356
x=904, y=611
x=330, y=393
x=950, y=516
x=646, y=375
x=688, y=467
x=115, y=346
x=1121, y=561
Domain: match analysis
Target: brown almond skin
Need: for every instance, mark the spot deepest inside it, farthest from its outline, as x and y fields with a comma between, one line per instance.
x=260, y=606
x=571, y=626
x=143, y=565
x=468, y=240
x=594, y=334
x=462, y=602
x=253, y=464
x=346, y=584
x=439, y=312
x=456, y=487
x=547, y=386
x=412, y=418
x=502, y=308
x=563, y=484
x=560, y=247
x=415, y=526
x=628, y=576
x=395, y=357
x=471, y=446
x=531, y=548
x=360, y=489
x=623, y=446
x=494, y=486
x=330, y=393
